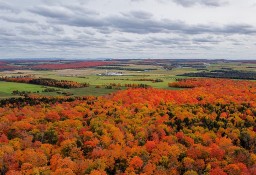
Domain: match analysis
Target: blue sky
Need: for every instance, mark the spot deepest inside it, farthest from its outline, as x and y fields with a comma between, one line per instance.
x=128, y=29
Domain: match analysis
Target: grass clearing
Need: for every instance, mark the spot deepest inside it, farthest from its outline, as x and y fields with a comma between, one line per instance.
x=6, y=88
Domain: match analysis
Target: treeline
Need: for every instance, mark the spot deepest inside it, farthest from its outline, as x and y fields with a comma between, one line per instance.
x=233, y=74
x=157, y=80
x=127, y=85
x=45, y=82
x=51, y=90
x=33, y=99
x=58, y=83
x=27, y=93
x=132, y=85
x=22, y=93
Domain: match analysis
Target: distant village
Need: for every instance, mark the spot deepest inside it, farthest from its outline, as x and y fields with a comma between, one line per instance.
x=111, y=74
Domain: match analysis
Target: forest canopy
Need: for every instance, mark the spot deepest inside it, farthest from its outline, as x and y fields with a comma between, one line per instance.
x=207, y=128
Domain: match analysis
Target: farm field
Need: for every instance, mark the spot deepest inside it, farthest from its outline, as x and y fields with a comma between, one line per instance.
x=6, y=88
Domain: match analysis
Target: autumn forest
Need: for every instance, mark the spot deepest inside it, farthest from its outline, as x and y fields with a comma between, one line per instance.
x=208, y=127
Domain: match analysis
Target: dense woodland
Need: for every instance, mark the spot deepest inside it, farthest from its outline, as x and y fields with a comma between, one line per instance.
x=224, y=73
x=45, y=82
x=208, y=128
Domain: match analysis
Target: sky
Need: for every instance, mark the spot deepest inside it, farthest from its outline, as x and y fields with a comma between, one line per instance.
x=171, y=29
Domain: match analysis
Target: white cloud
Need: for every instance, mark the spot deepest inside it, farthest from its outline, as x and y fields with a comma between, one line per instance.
x=127, y=28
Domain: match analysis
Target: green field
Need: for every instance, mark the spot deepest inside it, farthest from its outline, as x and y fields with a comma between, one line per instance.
x=6, y=88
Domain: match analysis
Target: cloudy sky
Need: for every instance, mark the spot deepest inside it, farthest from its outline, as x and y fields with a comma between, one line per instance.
x=128, y=29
